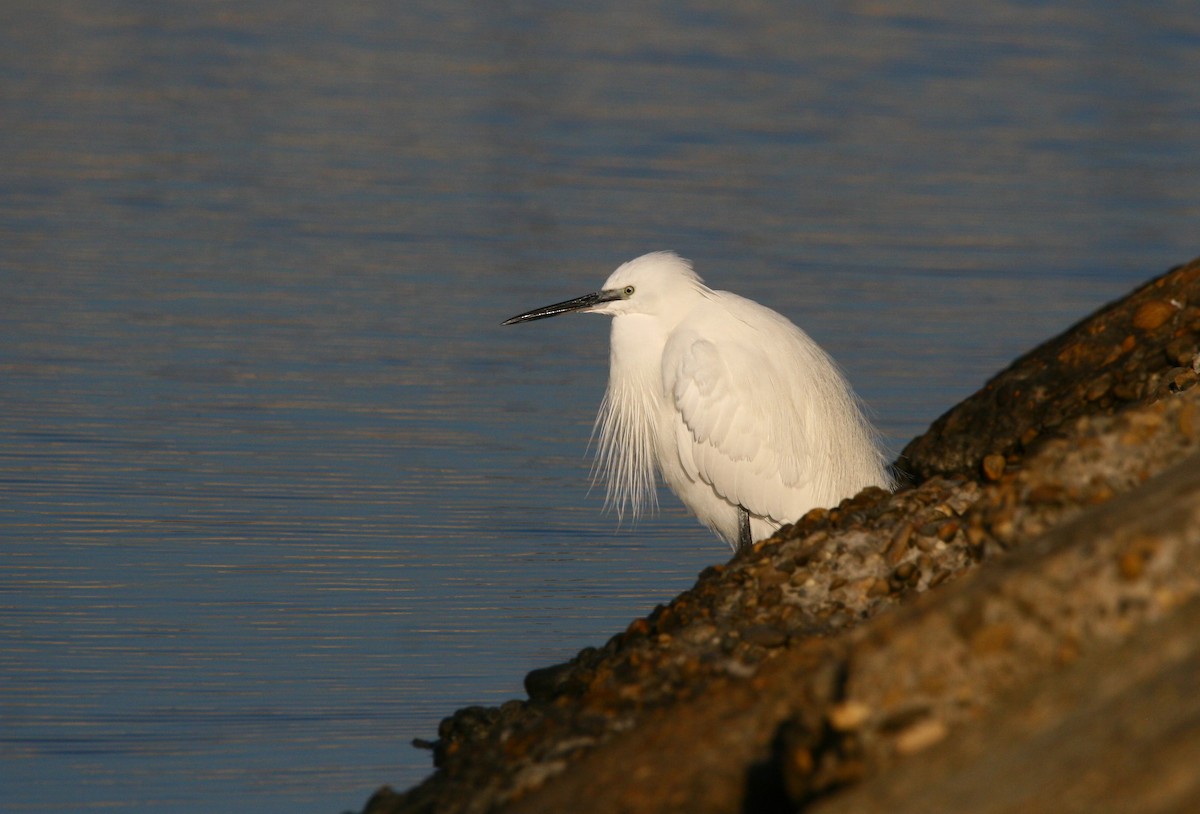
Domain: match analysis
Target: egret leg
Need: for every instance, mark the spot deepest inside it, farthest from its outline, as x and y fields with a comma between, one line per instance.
x=744, y=540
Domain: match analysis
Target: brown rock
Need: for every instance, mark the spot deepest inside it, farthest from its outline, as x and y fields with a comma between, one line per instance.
x=993, y=467
x=1002, y=418
x=1152, y=314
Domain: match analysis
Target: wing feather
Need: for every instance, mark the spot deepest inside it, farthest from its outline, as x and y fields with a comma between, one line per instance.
x=738, y=426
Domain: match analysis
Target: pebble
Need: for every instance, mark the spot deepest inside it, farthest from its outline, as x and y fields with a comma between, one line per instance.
x=1003, y=528
x=1099, y=387
x=739, y=669
x=769, y=577
x=920, y=736
x=1181, y=351
x=638, y=627
x=878, y=587
x=993, y=466
x=1131, y=565
x=975, y=532
x=1046, y=494
x=771, y=596
x=939, y=578
x=899, y=545
x=927, y=544
x=765, y=636
x=848, y=716
x=1152, y=314
x=947, y=530
x=1127, y=390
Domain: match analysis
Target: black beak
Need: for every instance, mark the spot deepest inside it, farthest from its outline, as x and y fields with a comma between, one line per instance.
x=577, y=304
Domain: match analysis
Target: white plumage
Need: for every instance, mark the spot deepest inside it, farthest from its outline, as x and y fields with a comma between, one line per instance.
x=733, y=404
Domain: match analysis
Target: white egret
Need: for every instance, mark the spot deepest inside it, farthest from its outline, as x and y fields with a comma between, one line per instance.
x=748, y=421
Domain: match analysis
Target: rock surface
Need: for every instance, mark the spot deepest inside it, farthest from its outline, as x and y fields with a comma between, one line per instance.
x=1133, y=350
x=1029, y=601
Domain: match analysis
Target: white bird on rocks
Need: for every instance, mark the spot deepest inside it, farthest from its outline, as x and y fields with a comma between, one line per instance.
x=748, y=421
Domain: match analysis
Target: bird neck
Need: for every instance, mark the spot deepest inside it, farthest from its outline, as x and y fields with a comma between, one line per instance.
x=635, y=350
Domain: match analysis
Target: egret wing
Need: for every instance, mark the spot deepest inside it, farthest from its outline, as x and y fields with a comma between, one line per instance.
x=738, y=426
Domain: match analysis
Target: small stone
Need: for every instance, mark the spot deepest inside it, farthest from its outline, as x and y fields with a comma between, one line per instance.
x=929, y=529
x=1046, y=494
x=993, y=467
x=975, y=533
x=848, y=716
x=1099, y=387
x=877, y=588
x=1003, y=528
x=815, y=515
x=1180, y=379
x=947, y=530
x=770, y=597
x=765, y=636
x=1131, y=565
x=638, y=627
x=939, y=578
x=899, y=544
x=1115, y=353
x=1099, y=492
x=1132, y=562
x=769, y=577
x=920, y=736
x=1181, y=351
x=1152, y=314
x=1129, y=390
x=546, y=683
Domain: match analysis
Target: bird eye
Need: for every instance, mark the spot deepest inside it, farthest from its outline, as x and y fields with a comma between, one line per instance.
x=628, y=291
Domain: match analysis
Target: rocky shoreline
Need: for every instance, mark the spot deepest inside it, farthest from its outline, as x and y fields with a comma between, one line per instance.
x=1019, y=614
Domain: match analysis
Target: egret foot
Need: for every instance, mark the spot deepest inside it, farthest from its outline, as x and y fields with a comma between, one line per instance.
x=744, y=540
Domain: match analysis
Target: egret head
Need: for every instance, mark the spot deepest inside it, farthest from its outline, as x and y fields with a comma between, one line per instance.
x=655, y=284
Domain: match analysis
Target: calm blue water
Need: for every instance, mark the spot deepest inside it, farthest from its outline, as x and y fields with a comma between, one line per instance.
x=276, y=490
